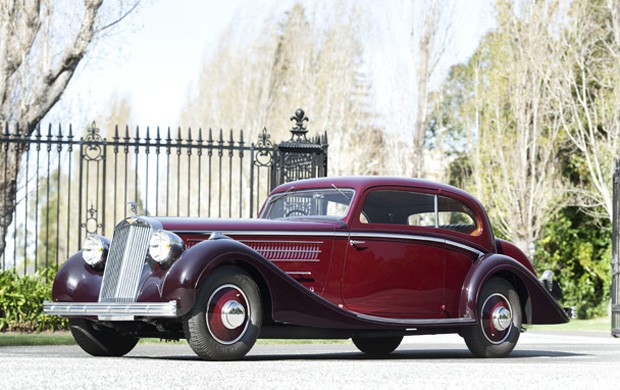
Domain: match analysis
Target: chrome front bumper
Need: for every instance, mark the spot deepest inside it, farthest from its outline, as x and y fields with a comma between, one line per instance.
x=111, y=311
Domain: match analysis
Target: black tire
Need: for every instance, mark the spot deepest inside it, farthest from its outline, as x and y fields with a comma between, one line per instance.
x=100, y=342
x=214, y=335
x=487, y=338
x=377, y=346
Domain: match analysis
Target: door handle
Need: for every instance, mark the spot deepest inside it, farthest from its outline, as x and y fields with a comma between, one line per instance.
x=359, y=245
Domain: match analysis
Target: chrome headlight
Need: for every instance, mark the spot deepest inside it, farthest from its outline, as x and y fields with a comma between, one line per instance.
x=165, y=247
x=95, y=250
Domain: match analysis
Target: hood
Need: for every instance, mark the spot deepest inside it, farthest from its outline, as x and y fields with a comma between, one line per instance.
x=210, y=225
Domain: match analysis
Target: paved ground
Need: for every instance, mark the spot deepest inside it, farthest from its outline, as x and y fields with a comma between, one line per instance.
x=540, y=361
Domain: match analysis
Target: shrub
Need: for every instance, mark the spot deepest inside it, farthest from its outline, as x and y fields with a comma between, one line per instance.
x=577, y=248
x=21, y=302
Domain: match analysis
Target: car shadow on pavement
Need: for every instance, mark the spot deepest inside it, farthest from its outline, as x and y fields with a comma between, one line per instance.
x=445, y=354
x=408, y=355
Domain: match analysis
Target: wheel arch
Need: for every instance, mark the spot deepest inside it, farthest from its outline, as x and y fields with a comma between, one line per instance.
x=189, y=273
x=520, y=288
x=259, y=279
x=537, y=305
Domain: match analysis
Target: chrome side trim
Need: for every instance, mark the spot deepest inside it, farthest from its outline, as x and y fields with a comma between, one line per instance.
x=263, y=233
x=412, y=237
x=414, y=322
x=282, y=242
x=111, y=311
x=366, y=235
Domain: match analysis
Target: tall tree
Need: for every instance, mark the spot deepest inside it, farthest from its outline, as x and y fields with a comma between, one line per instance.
x=41, y=45
x=298, y=61
x=588, y=91
x=517, y=128
x=428, y=45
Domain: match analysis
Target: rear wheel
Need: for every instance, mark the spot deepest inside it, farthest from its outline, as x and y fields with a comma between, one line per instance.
x=499, y=321
x=225, y=321
x=99, y=342
x=377, y=346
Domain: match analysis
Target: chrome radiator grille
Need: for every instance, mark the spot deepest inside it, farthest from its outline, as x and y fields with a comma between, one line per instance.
x=125, y=263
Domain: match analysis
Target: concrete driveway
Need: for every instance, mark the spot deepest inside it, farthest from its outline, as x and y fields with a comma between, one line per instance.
x=540, y=361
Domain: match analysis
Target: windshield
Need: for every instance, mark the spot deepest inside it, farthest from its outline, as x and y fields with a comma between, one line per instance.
x=328, y=202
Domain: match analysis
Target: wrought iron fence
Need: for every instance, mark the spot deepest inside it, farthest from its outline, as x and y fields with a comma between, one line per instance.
x=615, y=260
x=70, y=186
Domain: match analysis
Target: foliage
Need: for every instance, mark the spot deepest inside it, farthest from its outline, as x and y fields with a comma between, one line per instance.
x=577, y=248
x=21, y=302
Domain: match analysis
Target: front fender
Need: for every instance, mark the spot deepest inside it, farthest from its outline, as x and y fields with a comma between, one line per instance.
x=539, y=308
x=184, y=278
x=76, y=281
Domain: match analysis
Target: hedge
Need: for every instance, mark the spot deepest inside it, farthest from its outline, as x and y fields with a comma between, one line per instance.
x=21, y=302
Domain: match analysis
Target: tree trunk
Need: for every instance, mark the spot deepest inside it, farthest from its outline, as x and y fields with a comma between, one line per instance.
x=8, y=190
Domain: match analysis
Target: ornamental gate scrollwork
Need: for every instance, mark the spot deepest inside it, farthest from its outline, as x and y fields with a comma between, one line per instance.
x=72, y=187
x=92, y=174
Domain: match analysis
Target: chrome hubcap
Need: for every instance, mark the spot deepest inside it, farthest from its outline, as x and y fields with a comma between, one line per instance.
x=501, y=318
x=496, y=318
x=228, y=314
x=233, y=314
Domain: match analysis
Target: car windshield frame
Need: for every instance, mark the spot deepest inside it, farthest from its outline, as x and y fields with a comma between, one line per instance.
x=329, y=203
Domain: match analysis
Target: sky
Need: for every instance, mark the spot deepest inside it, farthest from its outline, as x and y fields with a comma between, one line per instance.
x=154, y=59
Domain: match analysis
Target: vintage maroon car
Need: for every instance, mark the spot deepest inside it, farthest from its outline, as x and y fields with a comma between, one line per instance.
x=367, y=258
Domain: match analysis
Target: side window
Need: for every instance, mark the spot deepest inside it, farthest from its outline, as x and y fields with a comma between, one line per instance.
x=417, y=209
x=399, y=207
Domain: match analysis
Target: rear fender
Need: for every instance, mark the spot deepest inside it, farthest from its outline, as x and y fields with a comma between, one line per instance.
x=538, y=306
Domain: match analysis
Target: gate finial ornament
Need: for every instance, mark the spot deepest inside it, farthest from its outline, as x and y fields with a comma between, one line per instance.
x=299, y=131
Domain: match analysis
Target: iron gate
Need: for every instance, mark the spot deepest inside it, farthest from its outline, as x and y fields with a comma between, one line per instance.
x=69, y=187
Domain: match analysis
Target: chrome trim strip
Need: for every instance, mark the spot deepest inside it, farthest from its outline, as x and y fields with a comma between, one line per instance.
x=367, y=235
x=299, y=273
x=436, y=211
x=407, y=321
x=110, y=310
x=417, y=238
x=264, y=233
x=294, y=261
x=281, y=242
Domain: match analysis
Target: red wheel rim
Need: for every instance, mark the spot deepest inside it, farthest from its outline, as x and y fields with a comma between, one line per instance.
x=227, y=314
x=494, y=305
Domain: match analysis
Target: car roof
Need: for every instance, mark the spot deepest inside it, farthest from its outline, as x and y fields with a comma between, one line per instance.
x=361, y=183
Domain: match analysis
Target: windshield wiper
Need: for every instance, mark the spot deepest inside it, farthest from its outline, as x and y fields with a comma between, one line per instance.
x=341, y=192
x=278, y=196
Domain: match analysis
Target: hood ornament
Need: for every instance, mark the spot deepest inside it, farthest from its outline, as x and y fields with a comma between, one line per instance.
x=133, y=206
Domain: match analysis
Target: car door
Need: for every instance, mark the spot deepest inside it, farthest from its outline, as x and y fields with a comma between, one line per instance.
x=393, y=267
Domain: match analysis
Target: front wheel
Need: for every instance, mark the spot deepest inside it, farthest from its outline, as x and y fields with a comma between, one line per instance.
x=100, y=342
x=225, y=321
x=377, y=346
x=499, y=321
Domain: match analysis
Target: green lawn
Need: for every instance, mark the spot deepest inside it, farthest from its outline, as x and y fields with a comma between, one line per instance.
x=602, y=324
x=43, y=338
